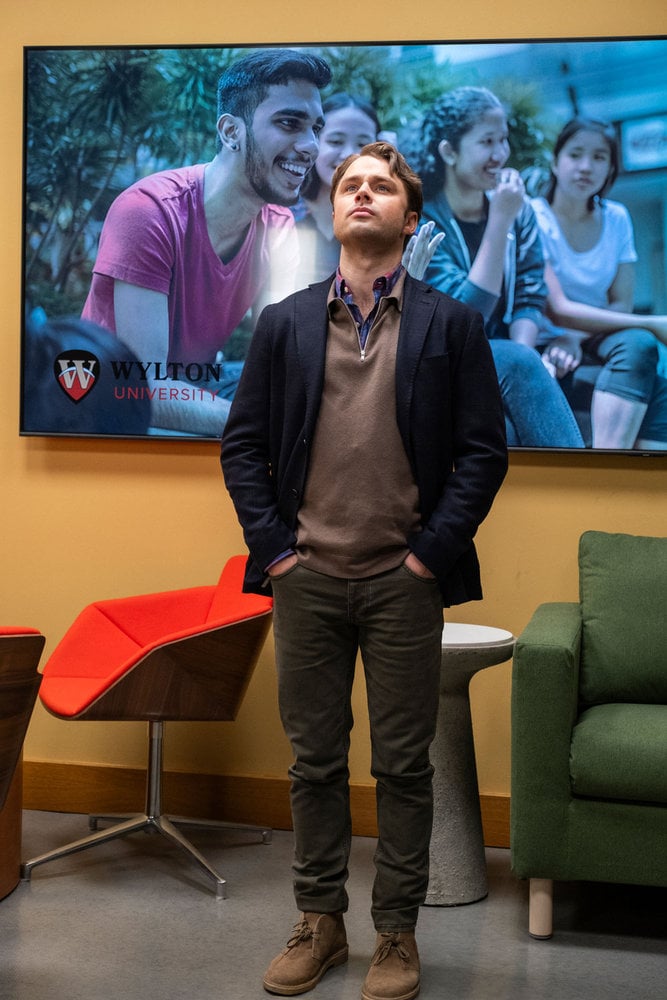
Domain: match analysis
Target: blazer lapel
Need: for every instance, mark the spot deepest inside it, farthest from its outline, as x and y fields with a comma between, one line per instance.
x=310, y=331
x=419, y=304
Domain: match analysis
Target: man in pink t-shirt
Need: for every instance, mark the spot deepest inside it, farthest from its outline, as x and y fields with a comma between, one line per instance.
x=186, y=254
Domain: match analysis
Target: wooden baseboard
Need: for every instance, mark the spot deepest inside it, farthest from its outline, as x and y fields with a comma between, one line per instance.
x=97, y=788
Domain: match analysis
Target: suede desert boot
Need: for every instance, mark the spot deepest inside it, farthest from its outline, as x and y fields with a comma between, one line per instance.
x=394, y=971
x=318, y=943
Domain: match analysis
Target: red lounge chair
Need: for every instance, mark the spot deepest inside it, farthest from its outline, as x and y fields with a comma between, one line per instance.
x=177, y=655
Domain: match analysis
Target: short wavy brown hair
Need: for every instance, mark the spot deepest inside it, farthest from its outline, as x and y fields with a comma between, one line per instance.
x=398, y=166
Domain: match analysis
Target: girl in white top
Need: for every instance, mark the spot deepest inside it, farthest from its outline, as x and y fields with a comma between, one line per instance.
x=590, y=255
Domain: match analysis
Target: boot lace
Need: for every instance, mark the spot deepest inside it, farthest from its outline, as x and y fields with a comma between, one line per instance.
x=301, y=932
x=389, y=941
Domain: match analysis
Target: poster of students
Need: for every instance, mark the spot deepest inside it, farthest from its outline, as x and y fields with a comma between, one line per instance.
x=171, y=193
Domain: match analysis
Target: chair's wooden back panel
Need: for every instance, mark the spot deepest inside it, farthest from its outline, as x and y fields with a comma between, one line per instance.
x=19, y=684
x=199, y=678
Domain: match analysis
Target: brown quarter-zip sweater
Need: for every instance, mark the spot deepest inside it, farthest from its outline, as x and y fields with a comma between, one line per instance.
x=360, y=501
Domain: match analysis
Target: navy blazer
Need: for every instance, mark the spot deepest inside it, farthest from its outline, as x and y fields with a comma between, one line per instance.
x=449, y=414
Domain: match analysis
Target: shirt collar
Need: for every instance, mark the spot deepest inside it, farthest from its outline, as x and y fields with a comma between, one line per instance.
x=383, y=284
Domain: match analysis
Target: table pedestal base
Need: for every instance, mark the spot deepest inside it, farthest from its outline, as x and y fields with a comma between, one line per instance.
x=457, y=858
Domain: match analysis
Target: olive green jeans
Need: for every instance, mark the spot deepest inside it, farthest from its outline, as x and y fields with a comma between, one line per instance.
x=320, y=623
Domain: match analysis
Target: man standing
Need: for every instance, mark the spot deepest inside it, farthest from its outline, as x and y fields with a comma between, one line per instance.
x=363, y=449
x=185, y=253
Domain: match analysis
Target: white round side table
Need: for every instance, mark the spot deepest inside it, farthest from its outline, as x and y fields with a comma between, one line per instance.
x=457, y=859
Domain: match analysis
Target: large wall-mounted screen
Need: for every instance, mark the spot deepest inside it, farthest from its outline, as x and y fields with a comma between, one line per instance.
x=171, y=192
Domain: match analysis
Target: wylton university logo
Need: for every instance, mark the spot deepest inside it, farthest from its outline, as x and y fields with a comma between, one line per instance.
x=76, y=373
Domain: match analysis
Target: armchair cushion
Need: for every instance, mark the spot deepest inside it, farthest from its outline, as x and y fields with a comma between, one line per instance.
x=146, y=618
x=623, y=582
x=228, y=597
x=619, y=752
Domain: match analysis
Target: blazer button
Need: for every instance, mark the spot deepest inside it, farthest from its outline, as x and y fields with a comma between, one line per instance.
x=294, y=493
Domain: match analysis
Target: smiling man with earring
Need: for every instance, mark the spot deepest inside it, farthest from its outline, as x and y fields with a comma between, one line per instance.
x=186, y=254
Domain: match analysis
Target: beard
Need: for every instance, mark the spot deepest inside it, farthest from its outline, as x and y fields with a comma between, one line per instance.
x=257, y=172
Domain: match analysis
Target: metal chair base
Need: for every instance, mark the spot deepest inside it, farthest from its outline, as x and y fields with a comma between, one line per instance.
x=151, y=820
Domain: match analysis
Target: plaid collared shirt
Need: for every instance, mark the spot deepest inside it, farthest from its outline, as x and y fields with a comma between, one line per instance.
x=382, y=286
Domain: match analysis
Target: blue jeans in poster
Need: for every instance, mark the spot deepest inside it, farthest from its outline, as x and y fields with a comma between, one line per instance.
x=537, y=414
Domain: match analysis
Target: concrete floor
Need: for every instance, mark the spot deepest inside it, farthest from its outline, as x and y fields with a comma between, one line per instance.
x=132, y=920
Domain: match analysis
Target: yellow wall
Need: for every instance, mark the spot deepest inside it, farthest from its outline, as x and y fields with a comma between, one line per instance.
x=92, y=519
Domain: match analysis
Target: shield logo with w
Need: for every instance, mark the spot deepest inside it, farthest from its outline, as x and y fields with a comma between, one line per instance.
x=76, y=373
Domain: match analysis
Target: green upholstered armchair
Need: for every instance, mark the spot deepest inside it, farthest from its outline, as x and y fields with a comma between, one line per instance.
x=589, y=727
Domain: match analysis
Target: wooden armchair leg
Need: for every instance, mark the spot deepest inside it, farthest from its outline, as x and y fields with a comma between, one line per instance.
x=540, y=908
